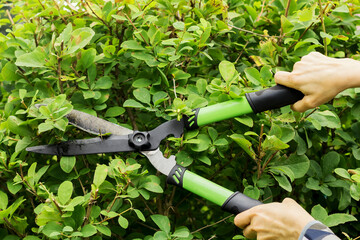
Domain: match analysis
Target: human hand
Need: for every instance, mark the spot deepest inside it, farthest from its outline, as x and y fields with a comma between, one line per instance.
x=320, y=79
x=274, y=221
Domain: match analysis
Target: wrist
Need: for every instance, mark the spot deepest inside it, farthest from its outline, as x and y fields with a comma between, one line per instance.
x=352, y=68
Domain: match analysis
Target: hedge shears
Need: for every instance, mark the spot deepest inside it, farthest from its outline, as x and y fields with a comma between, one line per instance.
x=122, y=139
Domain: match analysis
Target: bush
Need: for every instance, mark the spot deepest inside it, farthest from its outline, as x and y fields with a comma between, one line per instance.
x=140, y=63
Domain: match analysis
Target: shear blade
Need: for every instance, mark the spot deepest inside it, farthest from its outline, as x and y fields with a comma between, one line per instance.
x=109, y=144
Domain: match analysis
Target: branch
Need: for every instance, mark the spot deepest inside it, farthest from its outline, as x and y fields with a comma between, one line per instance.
x=251, y=32
x=210, y=225
x=323, y=27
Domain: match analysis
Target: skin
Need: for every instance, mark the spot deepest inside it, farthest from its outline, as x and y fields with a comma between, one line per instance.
x=320, y=78
x=280, y=221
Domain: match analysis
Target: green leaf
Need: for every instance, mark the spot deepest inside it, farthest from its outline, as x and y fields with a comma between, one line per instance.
x=47, y=216
x=153, y=187
x=123, y=222
x=162, y=222
x=244, y=144
x=204, y=143
x=65, y=191
x=114, y=111
x=132, y=104
x=3, y=200
x=132, y=45
x=342, y=173
x=253, y=75
x=338, y=218
x=179, y=25
x=87, y=58
x=140, y=83
x=329, y=162
x=273, y=143
x=103, y=83
x=51, y=228
x=101, y=172
x=227, y=70
x=286, y=25
x=181, y=232
x=246, y=120
x=37, y=58
x=12, y=187
x=140, y=215
x=319, y=213
x=356, y=153
x=283, y=182
x=8, y=72
x=342, y=9
x=104, y=230
x=67, y=163
x=298, y=164
x=79, y=39
x=142, y=94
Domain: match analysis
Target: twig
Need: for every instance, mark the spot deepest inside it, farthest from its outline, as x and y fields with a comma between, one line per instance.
x=260, y=138
x=268, y=161
x=301, y=36
x=9, y=16
x=323, y=26
x=261, y=12
x=254, y=33
x=287, y=8
x=12, y=227
x=102, y=20
x=314, y=110
x=210, y=225
x=131, y=22
x=59, y=59
x=42, y=5
x=242, y=51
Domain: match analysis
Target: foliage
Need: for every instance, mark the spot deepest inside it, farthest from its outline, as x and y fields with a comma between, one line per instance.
x=139, y=63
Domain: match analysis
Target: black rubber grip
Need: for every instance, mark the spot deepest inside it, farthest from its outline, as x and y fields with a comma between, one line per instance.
x=238, y=203
x=272, y=98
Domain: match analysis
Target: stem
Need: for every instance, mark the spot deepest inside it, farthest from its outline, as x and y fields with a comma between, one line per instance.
x=301, y=36
x=210, y=225
x=261, y=12
x=42, y=5
x=107, y=219
x=323, y=26
x=254, y=33
x=9, y=16
x=314, y=110
x=102, y=20
x=131, y=22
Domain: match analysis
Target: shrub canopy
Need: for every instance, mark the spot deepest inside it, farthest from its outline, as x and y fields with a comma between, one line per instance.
x=138, y=63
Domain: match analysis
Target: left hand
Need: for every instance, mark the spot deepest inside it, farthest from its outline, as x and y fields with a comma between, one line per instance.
x=274, y=221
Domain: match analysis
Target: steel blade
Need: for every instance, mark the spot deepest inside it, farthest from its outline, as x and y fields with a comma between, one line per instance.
x=95, y=125
x=162, y=164
x=108, y=144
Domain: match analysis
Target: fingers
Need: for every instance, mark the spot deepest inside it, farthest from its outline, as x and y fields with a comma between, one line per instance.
x=289, y=202
x=243, y=219
x=249, y=232
x=305, y=104
x=283, y=78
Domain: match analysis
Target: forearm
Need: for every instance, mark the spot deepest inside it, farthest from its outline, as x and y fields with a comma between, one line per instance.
x=316, y=230
x=353, y=78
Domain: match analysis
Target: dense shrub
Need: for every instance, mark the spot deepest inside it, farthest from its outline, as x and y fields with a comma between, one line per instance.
x=139, y=63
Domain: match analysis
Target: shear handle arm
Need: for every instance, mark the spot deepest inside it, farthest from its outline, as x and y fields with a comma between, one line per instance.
x=254, y=102
x=233, y=202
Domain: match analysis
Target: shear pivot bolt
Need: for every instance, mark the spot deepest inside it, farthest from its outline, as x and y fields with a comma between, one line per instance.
x=139, y=140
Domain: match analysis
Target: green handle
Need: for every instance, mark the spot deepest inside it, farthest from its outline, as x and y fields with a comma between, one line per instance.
x=218, y=112
x=233, y=202
x=254, y=102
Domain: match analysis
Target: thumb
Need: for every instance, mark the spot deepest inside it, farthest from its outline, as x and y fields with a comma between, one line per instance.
x=304, y=104
x=289, y=201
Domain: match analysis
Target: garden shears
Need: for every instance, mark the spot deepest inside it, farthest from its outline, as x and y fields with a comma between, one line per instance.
x=122, y=139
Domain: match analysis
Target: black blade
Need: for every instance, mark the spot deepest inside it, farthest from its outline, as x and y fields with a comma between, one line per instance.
x=108, y=144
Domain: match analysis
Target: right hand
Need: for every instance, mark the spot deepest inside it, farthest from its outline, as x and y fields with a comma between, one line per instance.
x=320, y=79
